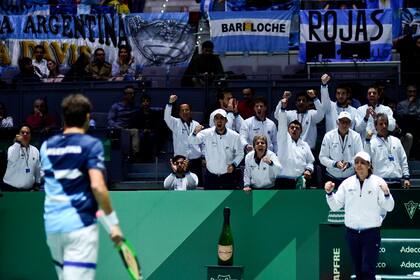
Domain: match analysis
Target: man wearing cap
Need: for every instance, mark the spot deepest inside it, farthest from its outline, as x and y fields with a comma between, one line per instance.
x=367, y=113
x=292, y=150
x=364, y=197
x=331, y=108
x=181, y=179
x=338, y=149
x=388, y=156
x=223, y=152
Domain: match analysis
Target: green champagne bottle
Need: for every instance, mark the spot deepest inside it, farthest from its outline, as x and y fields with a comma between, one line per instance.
x=225, y=246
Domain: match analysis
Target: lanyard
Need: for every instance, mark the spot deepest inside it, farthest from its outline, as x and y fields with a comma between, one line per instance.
x=26, y=155
x=343, y=142
x=187, y=128
x=388, y=147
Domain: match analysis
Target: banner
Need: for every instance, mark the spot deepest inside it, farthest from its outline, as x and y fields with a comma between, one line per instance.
x=374, y=26
x=260, y=31
x=410, y=21
x=156, y=39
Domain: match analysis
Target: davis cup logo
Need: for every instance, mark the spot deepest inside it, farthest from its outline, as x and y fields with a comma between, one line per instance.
x=411, y=208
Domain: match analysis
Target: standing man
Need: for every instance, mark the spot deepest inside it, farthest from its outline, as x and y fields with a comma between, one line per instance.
x=389, y=160
x=259, y=124
x=292, y=150
x=23, y=164
x=364, y=197
x=223, y=152
x=338, y=149
x=230, y=106
x=181, y=128
x=73, y=164
x=367, y=113
x=246, y=105
x=331, y=108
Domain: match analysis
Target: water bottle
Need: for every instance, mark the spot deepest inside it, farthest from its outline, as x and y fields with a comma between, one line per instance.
x=300, y=182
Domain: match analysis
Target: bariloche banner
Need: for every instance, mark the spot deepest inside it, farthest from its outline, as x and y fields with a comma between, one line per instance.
x=370, y=25
x=156, y=38
x=259, y=31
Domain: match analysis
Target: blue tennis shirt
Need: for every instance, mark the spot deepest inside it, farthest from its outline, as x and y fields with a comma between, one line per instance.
x=65, y=162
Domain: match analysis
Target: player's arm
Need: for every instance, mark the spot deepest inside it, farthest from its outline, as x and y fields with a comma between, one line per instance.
x=101, y=194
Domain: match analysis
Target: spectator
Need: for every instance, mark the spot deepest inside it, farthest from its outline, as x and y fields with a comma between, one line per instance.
x=259, y=124
x=205, y=67
x=292, y=150
x=124, y=67
x=333, y=109
x=223, y=152
x=99, y=69
x=28, y=72
x=409, y=48
x=5, y=120
x=411, y=105
x=40, y=62
x=338, y=149
x=23, y=164
x=181, y=179
x=121, y=114
x=363, y=213
x=54, y=73
x=40, y=120
x=77, y=70
x=148, y=121
x=308, y=118
x=229, y=104
x=181, y=128
x=261, y=166
x=246, y=105
x=367, y=113
x=389, y=160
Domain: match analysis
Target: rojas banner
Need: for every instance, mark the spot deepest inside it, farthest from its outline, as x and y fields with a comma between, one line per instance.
x=156, y=39
x=374, y=26
x=259, y=31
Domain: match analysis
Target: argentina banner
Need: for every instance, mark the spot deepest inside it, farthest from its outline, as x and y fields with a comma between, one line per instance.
x=259, y=31
x=373, y=26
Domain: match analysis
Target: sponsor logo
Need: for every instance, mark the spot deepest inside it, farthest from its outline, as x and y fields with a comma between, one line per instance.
x=223, y=277
x=336, y=263
x=410, y=250
x=253, y=27
x=411, y=208
x=410, y=264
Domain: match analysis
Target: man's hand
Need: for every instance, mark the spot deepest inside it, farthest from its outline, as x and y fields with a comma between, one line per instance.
x=232, y=106
x=173, y=166
x=247, y=189
x=172, y=98
x=198, y=128
x=369, y=134
x=406, y=184
x=116, y=235
x=185, y=165
x=311, y=93
x=329, y=186
x=230, y=168
x=307, y=174
x=19, y=138
x=284, y=102
x=325, y=79
x=267, y=160
x=249, y=148
x=287, y=94
x=370, y=112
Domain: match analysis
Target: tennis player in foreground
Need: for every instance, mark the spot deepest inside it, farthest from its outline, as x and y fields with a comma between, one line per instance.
x=73, y=166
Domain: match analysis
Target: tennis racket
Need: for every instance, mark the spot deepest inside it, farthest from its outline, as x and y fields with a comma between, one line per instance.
x=126, y=251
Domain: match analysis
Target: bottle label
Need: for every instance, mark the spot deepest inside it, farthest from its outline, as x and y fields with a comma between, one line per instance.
x=225, y=252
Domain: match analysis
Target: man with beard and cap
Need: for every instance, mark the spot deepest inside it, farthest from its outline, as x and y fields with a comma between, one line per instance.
x=388, y=156
x=181, y=179
x=367, y=113
x=222, y=150
x=259, y=124
x=308, y=118
x=331, y=108
x=292, y=150
x=261, y=166
x=338, y=149
x=364, y=197
x=181, y=128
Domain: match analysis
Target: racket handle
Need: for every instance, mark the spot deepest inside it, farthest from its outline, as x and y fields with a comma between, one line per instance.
x=100, y=216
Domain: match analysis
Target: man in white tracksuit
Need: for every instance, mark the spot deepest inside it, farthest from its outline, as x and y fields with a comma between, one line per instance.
x=364, y=197
x=223, y=152
x=389, y=160
x=338, y=149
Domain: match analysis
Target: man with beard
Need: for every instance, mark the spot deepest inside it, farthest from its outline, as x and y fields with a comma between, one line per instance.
x=226, y=102
x=181, y=179
x=367, y=113
x=223, y=152
x=259, y=124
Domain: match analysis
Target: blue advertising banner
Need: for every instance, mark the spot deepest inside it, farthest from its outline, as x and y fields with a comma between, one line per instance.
x=259, y=31
x=374, y=26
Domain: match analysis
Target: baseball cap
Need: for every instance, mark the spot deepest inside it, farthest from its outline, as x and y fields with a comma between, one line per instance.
x=219, y=112
x=363, y=155
x=343, y=115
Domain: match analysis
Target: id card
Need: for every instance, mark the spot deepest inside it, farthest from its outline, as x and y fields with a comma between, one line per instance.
x=27, y=170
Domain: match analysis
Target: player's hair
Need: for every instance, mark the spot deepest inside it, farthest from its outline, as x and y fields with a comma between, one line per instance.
x=75, y=108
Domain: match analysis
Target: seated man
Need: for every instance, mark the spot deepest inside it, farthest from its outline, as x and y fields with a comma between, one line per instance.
x=40, y=62
x=40, y=120
x=121, y=114
x=28, y=72
x=99, y=69
x=181, y=179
